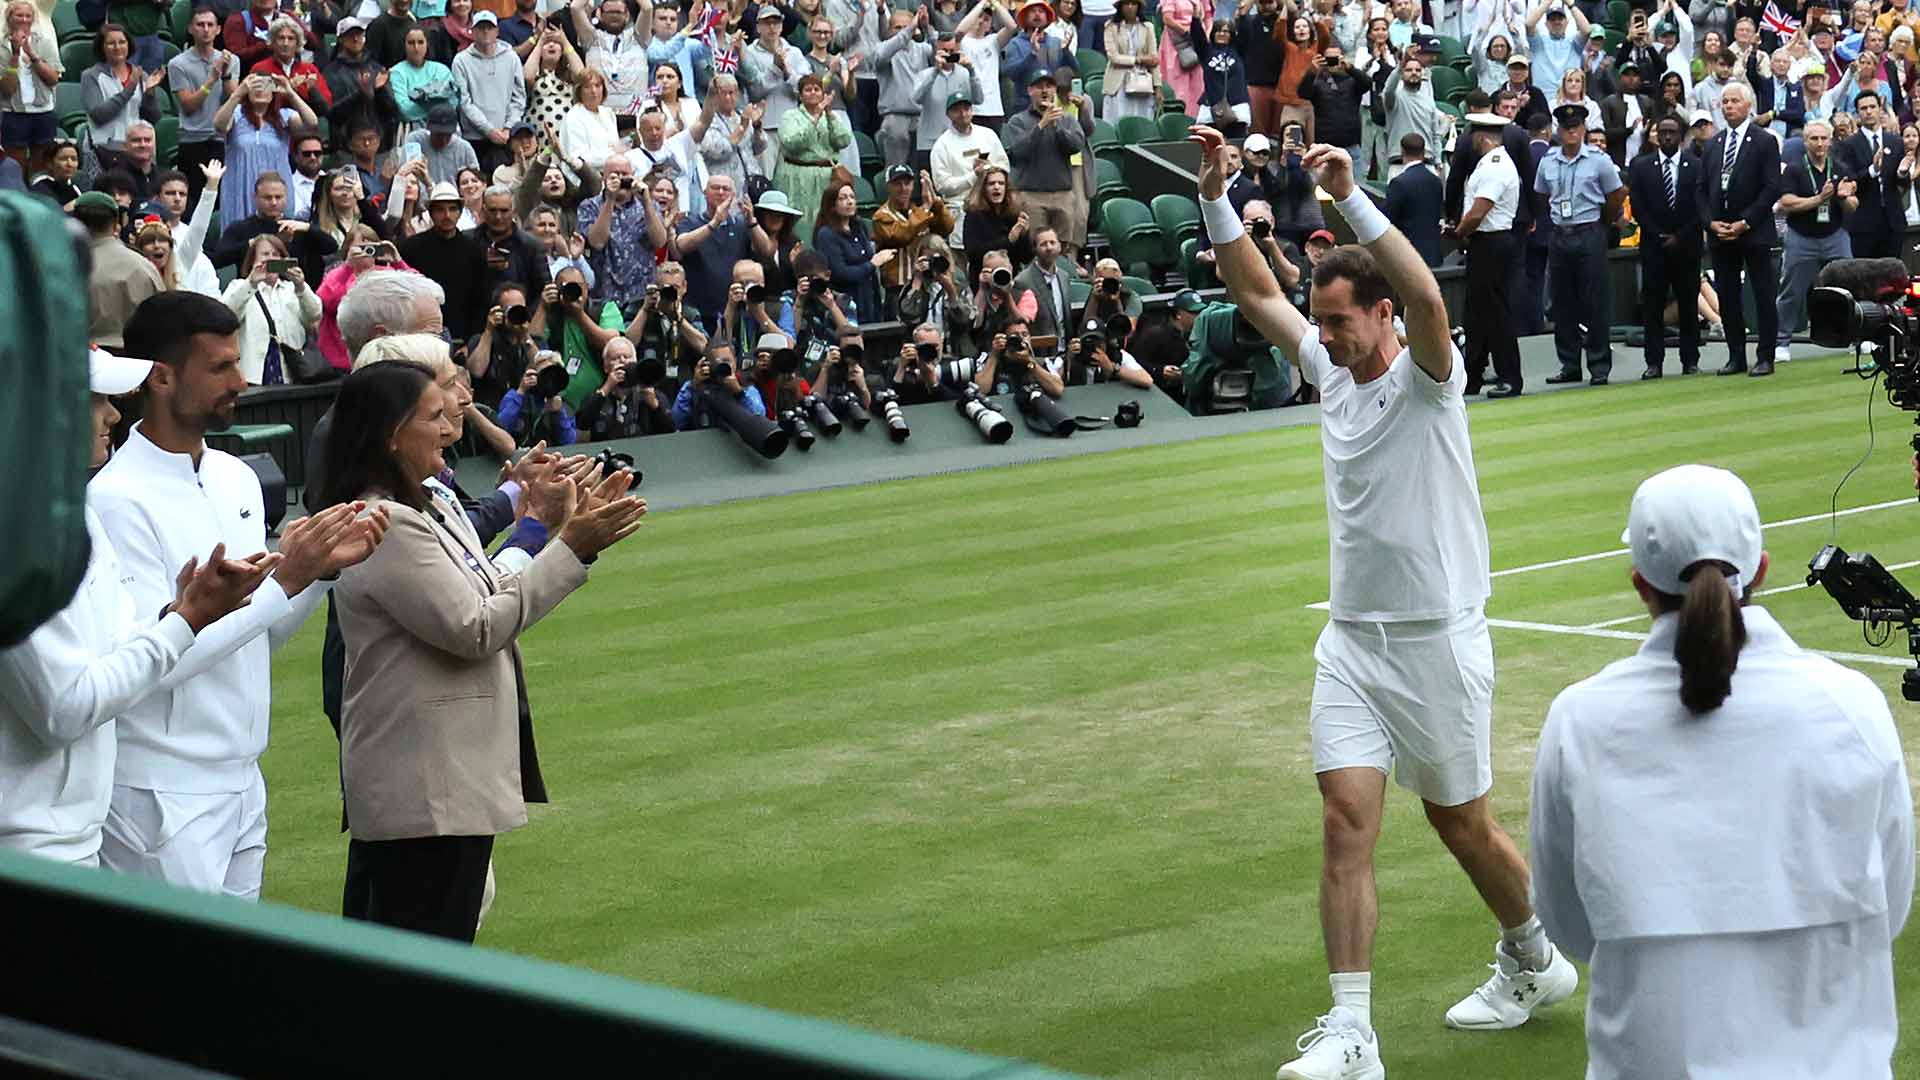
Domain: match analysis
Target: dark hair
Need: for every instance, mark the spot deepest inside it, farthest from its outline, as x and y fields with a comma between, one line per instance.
x=1478, y=101
x=372, y=404
x=503, y=288
x=808, y=263
x=167, y=176
x=100, y=41
x=1538, y=123
x=163, y=327
x=1353, y=263
x=1413, y=147
x=203, y=9
x=828, y=216
x=250, y=254
x=1709, y=637
x=116, y=182
x=1864, y=95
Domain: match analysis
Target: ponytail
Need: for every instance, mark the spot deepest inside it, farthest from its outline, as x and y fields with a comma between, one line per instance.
x=1710, y=636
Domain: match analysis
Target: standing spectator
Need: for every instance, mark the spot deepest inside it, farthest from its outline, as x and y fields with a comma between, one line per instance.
x=526, y=27
x=623, y=230
x=1737, y=202
x=358, y=85
x=1573, y=91
x=493, y=92
x=420, y=85
x=773, y=67
x=1493, y=259
x=1132, y=83
x=189, y=805
x=1664, y=186
x=1335, y=91
x=440, y=146
x=387, y=34
x=189, y=230
x=269, y=200
x=1416, y=199
x=286, y=39
x=1032, y=49
x=1410, y=105
x=30, y=71
x=732, y=140
x=552, y=70
x=452, y=32
x=138, y=162
x=952, y=73
x=454, y=259
x=670, y=94
x=1048, y=278
x=202, y=79
x=961, y=153
x=675, y=46
x=1817, y=198
x=1532, y=99
x=120, y=278
x=1777, y=96
x=512, y=253
x=1583, y=187
x=676, y=158
x=258, y=138
x=846, y=242
x=1300, y=57
x=984, y=36
x=1706, y=92
x=901, y=58
x=995, y=219
x=616, y=49
x=1871, y=155
x=810, y=139
x=1179, y=57
x=710, y=247
x=1264, y=52
x=590, y=131
x=1555, y=52
x=1490, y=53
x=1224, y=103
x=305, y=153
x=1039, y=143
x=340, y=209
x=277, y=310
x=115, y=94
x=1626, y=116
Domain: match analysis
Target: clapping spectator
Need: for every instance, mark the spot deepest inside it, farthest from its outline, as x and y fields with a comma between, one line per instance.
x=846, y=242
x=30, y=68
x=358, y=85
x=421, y=85
x=115, y=94
x=811, y=138
x=731, y=139
x=202, y=78
x=995, y=219
x=907, y=222
x=276, y=308
x=961, y=153
x=773, y=67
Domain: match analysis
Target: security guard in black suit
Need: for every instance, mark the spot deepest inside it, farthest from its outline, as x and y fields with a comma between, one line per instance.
x=1665, y=187
x=1742, y=183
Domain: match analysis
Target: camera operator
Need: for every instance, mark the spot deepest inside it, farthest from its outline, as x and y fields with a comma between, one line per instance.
x=1100, y=354
x=843, y=368
x=933, y=296
x=1222, y=340
x=775, y=372
x=916, y=371
x=626, y=405
x=751, y=310
x=999, y=299
x=1161, y=344
x=714, y=370
x=1010, y=363
x=817, y=315
x=666, y=327
x=574, y=332
x=534, y=412
x=501, y=352
x=1110, y=295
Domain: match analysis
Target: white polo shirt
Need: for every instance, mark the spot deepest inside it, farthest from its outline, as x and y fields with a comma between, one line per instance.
x=205, y=736
x=1408, y=540
x=1735, y=880
x=1495, y=179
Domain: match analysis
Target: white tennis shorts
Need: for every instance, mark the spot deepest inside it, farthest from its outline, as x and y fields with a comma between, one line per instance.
x=1414, y=699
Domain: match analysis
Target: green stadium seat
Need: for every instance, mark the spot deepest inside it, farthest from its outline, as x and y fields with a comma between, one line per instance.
x=1139, y=286
x=1136, y=237
x=1619, y=15
x=1170, y=100
x=1077, y=292
x=1092, y=64
x=1451, y=108
x=1449, y=83
x=75, y=57
x=1108, y=182
x=870, y=161
x=1199, y=274
x=249, y=436
x=178, y=18
x=1096, y=89
x=1133, y=130
x=1104, y=136
x=1452, y=53
x=1174, y=126
x=1179, y=219
x=864, y=195
x=1615, y=38
x=166, y=140
x=69, y=107
x=66, y=23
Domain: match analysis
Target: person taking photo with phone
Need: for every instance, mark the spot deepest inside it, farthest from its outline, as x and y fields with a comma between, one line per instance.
x=277, y=310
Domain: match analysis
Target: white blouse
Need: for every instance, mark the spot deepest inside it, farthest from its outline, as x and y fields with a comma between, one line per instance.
x=296, y=311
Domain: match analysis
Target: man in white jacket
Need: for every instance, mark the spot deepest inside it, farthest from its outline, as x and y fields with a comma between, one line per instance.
x=61, y=688
x=189, y=804
x=1722, y=823
x=962, y=152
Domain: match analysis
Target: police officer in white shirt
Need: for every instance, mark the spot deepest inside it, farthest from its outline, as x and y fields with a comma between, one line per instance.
x=1404, y=678
x=61, y=688
x=1722, y=824
x=189, y=804
x=1493, y=259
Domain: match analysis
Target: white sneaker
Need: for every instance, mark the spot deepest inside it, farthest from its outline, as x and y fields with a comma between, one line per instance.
x=1510, y=997
x=1782, y=354
x=1335, y=1050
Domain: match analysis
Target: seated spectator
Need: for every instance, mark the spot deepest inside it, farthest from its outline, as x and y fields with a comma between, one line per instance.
x=1011, y=364
x=623, y=230
x=1110, y=295
x=667, y=328
x=115, y=94
x=259, y=142
x=277, y=310
x=995, y=219
x=1417, y=199
x=286, y=41
x=117, y=184
x=120, y=277
x=1222, y=342
x=1161, y=343
x=690, y=405
x=908, y=226
x=512, y=254
x=934, y=296
x=57, y=183
x=780, y=221
x=1097, y=355
x=846, y=242
x=506, y=345
x=140, y=162
x=815, y=313
x=366, y=252
x=623, y=407
x=530, y=416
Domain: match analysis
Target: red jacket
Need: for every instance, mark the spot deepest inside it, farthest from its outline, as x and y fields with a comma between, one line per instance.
x=318, y=94
x=239, y=39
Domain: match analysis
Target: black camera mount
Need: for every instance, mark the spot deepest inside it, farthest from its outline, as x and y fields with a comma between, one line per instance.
x=1869, y=594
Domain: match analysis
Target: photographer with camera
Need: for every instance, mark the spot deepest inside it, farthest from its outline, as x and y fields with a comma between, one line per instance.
x=750, y=309
x=1110, y=295
x=843, y=369
x=1100, y=353
x=815, y=312
x=715, y=370
x=1223, y=340
x=775, y=373
x=576, y=332
x=505, y=346
x=536, y=411
x=666, y=328
x=628, y=403
x=934, y=296
x=999, y=299
x=1283, y=259
x=916, y=371
x=623, y=229
x=1010, y=364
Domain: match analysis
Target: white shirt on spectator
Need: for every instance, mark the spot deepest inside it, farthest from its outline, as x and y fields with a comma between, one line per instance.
x=295, y=311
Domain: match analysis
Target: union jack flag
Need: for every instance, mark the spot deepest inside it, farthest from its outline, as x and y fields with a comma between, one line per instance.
x=725, y=61
x=1778, y=21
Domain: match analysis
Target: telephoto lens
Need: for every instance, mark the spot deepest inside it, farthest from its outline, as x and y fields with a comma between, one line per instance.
x=1260, y=229
x=649, y=370
x=551, y=380
x=889, y=403
x=518, y=315
x=668, y=294
x=796, y=427
x=1002, y=277
x=846, y=405
x=816, y=410
x=994, y=427
x=955, y=372
x=571, y=292
x=1043, y=413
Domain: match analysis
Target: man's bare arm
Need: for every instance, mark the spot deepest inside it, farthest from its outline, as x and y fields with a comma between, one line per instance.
x=1240, y=264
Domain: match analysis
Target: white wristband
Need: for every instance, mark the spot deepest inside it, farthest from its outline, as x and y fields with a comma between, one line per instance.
x=1223, y=222
x=1366, y=220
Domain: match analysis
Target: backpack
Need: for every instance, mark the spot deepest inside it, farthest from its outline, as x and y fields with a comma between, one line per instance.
x=43, y=359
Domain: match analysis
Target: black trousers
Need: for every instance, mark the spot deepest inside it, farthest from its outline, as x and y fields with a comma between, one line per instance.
x=430, y=884
x=1752, y=261
x=1494, y=275
x=190, y=157
x=1577, y=277
x=1876, y=244
x=1670, y=271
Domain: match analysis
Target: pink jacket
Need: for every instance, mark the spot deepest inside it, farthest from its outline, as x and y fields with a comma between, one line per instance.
x=333, y=289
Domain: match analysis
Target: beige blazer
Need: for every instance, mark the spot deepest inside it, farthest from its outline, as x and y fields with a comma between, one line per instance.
x=429, y=726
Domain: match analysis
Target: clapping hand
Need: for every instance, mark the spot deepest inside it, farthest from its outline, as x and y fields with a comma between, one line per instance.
x=205, y=594
x=596, y=528
x=323, y=544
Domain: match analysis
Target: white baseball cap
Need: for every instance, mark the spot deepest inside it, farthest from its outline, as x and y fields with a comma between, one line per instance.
x=1688, y=514
x=1256, y=143
x=1700, y=117
x=115, y=375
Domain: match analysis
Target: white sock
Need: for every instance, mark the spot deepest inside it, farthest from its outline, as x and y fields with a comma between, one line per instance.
x=1528, y=943
x=1354, y=989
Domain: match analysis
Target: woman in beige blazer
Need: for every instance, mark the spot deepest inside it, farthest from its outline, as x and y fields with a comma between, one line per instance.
x=429, y=730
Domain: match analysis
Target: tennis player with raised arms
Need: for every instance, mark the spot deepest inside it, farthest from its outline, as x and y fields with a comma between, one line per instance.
x=1403, y=679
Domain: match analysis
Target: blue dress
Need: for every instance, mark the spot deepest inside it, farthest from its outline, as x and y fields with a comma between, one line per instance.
x=849, y=258
x=250, y=152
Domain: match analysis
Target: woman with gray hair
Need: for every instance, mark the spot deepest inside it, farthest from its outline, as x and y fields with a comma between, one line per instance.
x=286, y=43
x=731, y=139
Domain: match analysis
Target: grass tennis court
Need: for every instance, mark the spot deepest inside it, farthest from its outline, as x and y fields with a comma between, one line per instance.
x=1017, y=759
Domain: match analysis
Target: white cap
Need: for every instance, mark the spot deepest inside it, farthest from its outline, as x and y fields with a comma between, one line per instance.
x=1700, y=117
x=347, y=26
x=772, y=341
x=115, y=375
x=1257, y=142
x=1689, y=514
x=443, y=192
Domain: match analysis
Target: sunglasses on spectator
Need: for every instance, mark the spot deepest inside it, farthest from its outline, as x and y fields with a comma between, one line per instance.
x=307, y=153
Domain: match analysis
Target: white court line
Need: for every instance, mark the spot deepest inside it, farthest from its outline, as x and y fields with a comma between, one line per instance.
x=1629, y=635
x=1623, y=620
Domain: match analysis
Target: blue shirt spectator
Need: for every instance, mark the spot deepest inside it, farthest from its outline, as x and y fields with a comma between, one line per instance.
x=525, y=416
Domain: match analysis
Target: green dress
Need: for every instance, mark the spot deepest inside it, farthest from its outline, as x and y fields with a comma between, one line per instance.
x=804, y=139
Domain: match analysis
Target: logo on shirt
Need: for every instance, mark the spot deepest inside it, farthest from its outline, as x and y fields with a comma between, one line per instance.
x=245, y=514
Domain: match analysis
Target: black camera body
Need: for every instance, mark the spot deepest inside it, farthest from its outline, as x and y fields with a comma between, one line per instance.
x=612, y=461
x=1861, y=302
x=796, y=428
x=1869, y=594
x=817, y=411
x=888, y=403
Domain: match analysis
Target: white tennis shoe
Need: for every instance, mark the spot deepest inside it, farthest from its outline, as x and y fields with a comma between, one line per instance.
x=1509, y=998
x=1335, y=1049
